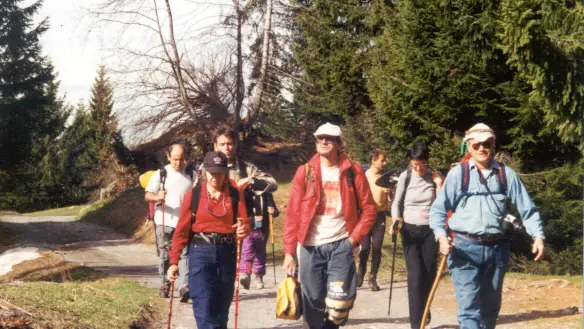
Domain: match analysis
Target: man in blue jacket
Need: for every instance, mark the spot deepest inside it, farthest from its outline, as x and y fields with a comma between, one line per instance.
x=480, y=194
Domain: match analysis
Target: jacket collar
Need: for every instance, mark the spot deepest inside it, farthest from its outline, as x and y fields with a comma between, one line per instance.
x=492, y=164
x=344, y=163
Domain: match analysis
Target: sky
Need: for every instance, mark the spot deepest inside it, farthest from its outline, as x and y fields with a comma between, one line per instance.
x=74, y=52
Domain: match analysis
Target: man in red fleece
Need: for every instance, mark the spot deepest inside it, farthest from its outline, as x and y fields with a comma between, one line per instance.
x=329, y=211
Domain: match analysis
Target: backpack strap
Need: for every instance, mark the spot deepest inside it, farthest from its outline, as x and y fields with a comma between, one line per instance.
x=242, y=168
x=351, y=183
x=234, y=194
x=308, y=177
x=465, y=178
x=407, y=183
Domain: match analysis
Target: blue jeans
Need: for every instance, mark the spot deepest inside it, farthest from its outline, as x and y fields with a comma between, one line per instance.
x=477, y=273
x=329, y=283
x=163, y=244
x=211, y=283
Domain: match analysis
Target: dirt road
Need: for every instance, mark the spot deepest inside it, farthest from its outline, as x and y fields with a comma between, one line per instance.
x=103, y=249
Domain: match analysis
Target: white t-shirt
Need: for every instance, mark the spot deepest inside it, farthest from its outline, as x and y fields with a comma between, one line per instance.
x=328, y=224
x=177, y=184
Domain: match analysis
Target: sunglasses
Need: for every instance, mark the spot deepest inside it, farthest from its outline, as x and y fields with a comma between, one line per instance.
x=329, y=139
x=486, y=144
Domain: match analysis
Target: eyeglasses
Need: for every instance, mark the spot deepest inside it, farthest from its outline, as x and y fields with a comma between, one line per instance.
x=223, y=203
x=329, y=139
x=417, y=166
x=486, y=144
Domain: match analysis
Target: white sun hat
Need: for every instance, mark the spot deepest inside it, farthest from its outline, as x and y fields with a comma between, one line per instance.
x=479, y=132
x=329, y=129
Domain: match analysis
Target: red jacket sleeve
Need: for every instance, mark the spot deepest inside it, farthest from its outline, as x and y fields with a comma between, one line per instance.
x=293, y=212
x=183, y=229
x=366, y=205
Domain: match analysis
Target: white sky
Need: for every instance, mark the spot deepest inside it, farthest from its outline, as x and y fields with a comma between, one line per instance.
x=74, y=53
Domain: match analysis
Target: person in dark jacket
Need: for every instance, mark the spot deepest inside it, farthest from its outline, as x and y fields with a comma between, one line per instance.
x=253, y=248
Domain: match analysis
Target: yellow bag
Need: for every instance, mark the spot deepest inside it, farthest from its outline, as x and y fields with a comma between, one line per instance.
x=289, y=300
x=145, y=178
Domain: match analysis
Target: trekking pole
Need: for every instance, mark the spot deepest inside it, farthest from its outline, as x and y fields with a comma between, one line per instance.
x=238, y=249
x=273, y=251
x=434, y=288
x=394, y=240
x=170, y=307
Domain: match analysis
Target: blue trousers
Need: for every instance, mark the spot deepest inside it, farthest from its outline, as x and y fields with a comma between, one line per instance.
x=211, y=283
x=329, y=283
x=477, y=273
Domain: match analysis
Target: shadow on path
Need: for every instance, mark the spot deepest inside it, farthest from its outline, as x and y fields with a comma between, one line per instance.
x=532, y=315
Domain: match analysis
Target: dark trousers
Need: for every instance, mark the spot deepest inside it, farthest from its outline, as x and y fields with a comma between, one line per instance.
x=373, y=240
x=211, y=283
x=329, y=284
x=421, y=253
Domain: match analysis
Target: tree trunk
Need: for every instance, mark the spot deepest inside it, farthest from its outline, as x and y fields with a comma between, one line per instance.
x=239, y=87
x=259, y=91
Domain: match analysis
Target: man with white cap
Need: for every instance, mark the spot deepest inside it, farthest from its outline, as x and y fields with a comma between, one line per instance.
x=480, y=193
x=330, y=210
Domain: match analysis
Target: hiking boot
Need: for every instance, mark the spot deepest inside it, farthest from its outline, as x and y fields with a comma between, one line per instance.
x=164, y=291
x=373, y=283
x=184, y=294
x=360, y=278
x=259, y=282
x=245, y=281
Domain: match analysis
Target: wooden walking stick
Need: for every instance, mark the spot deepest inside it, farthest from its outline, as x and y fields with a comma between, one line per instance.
x=434, y=288
x=170, y=307
x=273, y=249
x=394, y=240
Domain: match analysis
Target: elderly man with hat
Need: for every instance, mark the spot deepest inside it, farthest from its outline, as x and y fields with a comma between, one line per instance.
x=330, y=210
x=480, y=193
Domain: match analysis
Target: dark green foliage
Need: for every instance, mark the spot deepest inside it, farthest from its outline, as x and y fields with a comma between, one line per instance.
x=398, y=72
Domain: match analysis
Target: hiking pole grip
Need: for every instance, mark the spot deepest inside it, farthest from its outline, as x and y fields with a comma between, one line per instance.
x=433, y=291
x=273, y=248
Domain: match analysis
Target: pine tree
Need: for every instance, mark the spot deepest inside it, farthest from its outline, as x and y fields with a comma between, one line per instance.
x=25, y=75
x=102, y=121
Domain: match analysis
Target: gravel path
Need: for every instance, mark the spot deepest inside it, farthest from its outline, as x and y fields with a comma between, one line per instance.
x=103, y=249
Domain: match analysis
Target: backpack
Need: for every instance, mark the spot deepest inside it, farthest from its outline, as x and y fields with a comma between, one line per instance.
x=289, y=299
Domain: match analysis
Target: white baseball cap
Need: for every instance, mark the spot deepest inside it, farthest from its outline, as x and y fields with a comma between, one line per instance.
x=329, y=129
x=479, y=132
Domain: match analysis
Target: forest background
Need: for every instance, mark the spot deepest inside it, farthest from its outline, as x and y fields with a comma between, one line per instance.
x=392, y=73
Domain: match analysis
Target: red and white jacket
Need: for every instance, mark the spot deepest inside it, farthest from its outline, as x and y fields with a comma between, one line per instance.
x=302, y=203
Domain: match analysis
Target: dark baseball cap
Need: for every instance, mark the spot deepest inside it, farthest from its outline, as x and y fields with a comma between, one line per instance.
x=215, y=162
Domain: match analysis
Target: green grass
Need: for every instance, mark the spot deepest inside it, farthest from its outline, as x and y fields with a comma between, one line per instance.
x=105, y=303
x=77, y=211
x=570, y=278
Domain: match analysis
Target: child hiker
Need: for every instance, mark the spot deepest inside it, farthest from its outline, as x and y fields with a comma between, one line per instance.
x=253, y=249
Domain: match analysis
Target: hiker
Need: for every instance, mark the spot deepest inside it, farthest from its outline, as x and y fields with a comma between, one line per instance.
x=416, y=190
x=374, y=239
x=244, y=173
x=330, y=210
x=479, y=193
x=253, y=250
x=176, y=183
x=211, y=213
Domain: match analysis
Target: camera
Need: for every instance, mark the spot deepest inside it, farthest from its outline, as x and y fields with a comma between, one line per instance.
x=511, y=223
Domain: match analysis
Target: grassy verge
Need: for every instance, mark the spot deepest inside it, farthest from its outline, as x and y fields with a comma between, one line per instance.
x=59, y=294
x=125, y=213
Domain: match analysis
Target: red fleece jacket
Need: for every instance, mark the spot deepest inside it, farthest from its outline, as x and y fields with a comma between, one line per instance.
x=303, y=202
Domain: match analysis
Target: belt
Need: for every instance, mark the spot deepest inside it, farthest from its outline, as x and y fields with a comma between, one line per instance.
x=482, y=239
x=212, y=238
